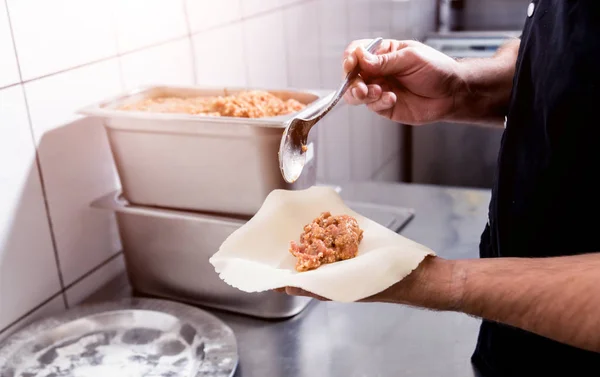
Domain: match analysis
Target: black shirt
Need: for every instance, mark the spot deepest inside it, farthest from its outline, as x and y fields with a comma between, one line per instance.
x=546, y=195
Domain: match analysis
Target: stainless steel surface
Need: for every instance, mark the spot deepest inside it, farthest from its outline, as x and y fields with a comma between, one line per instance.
x=375, y=340
x=167, y=252
x=394, y=218
x=166, y=160
x=166, y=255
x=130, y=337
x=292, y=148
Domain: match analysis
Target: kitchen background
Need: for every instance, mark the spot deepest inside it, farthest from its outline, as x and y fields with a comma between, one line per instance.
x=57, y=56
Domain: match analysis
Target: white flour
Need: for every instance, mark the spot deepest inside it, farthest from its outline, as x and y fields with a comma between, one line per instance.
x=90, y=356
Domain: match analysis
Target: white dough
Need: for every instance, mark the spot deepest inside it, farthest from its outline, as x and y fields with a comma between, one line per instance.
x=256, y=258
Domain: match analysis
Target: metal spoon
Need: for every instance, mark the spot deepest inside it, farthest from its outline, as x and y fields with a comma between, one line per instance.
x=292, y=149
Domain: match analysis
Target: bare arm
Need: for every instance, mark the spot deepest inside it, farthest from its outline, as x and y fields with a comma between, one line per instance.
x=558, y=298
x=484, y=96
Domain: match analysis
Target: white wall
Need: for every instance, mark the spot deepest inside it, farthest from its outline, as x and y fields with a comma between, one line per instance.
x=59, y=55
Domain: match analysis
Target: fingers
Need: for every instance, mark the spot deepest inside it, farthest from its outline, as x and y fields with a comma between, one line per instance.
x=384, y=103
x=383, y=47
x=392, y=57
x=293, y=291
x=350, y=59
x=363, y=93
x=387, y=46
x=393, y=63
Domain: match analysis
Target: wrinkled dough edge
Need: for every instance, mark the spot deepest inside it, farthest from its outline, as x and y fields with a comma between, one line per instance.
x=232, y=269
x=232, y=278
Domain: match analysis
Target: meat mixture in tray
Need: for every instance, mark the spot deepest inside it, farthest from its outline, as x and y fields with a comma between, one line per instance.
x=327, y=239
x=247, y=104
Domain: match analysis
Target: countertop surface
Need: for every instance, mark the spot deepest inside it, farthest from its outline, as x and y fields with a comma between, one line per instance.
x=374, y=340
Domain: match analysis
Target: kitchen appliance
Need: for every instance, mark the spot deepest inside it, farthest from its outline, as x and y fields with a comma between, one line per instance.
x=167, y=251
x=456, y=154
x=216, y=164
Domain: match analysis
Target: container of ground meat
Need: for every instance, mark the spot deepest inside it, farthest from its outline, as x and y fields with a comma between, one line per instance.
x=167, y=255
x=204, y=149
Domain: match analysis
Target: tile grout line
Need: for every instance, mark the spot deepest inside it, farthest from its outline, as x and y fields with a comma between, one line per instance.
x=11, y=85
x=30, y=312
x=244, y=48
x=186, y=14
x=287, y=54
x=62, y=291
x=190, y=34
x=92, y=270
x=101, y=60
x=38, y=164
x=115, y=33
x=246, y=18
x=319, y=37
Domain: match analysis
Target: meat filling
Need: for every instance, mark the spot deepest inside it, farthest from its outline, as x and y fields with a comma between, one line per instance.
x=327, y=239
x=246, y=104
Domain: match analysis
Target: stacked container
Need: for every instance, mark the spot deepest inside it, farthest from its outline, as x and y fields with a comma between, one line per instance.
x=189, y=181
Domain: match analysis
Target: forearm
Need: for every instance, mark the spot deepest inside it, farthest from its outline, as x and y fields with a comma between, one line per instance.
x=558, y=298
x=487, y=83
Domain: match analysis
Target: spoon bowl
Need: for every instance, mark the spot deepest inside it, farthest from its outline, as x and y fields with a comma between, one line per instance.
x=292, y=149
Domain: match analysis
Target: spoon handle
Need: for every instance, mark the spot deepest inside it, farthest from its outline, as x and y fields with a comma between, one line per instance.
x=371, y=47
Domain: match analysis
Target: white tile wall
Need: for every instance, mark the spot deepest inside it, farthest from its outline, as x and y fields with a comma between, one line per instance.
x=334, y=132
x=219, y=63
x=52, y=307
x=95, y=280
x=400, y=23
x=54, y=35
x=362, y=136
x=167, y=64
x=74, y=52
x=253, y=7
x=264, y=45
x=26, y=249
x=142, y=23
x=9, y=70
x=76, y=163
x=303, y=45
x=203, y=15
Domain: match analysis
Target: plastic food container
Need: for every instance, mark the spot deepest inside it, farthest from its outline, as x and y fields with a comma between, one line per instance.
x=214, y=164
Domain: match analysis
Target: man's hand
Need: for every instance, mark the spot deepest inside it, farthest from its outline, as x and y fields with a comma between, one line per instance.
x=405, y=81
x=558, y=297
x=412, y=83
x=431, y=285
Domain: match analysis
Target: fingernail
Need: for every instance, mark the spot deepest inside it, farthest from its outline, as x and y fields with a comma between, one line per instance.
x=353, y=91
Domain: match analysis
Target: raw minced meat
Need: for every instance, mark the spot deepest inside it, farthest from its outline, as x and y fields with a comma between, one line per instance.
x=246, y=104
x=327, y=239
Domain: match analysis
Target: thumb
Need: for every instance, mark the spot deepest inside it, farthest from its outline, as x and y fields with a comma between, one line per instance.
x=391, y=63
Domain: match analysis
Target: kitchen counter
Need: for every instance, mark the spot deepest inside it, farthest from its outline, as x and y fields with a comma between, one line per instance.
x=356, y=340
